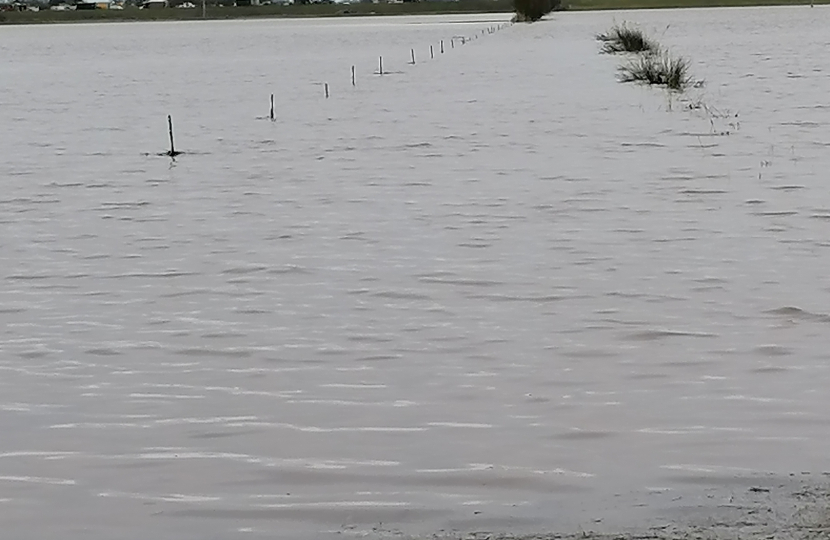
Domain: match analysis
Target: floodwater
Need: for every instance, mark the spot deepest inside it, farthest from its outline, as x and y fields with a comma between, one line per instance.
x=494, y=290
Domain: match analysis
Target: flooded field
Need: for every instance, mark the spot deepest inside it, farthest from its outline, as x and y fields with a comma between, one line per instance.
x=494, y=290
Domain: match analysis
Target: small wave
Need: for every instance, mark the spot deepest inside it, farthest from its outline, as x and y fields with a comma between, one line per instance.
x=369, y=429
x=66, y=184
x=38, y=480
x=117, y=205
x=643, y=145
x=710, y=279
x=756, y=399
x=99, y=425
x=242, y=270
x=171, y=497
x=206, y=421
x=29, y=277
x=468, y=425
x=540, y=299
x=462, y=282
x=803, y=123
x=102, y=351
x=584, y=435
x=141, y=395
x=290, y=269
x=590, y=353
x=338, y=504
x=777, y=213
x=769, y=369
x=164, y=275
x=181, y=294
x=368, y=338
x=401, y=295
x=222, y=335
x=798, y=314
x=38, y=454
x=380, y=358
x=710, y=469
x=773, y=350
x=359, y=386
x=204, y=351
x=348, y=403
x=691, y=191
x=652, y=335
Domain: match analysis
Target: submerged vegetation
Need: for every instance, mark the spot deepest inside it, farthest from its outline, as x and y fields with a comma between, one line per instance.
x=623, y=39
x=533, y=10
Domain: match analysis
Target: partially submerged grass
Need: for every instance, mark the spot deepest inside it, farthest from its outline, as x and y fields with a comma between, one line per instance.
x=624, y=39
x=658, y=69
x=650, y=63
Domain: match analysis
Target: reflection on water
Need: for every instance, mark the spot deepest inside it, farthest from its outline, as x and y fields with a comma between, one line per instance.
x=480, y=292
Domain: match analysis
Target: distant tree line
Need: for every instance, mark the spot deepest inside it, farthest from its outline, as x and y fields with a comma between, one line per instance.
x=533, y=10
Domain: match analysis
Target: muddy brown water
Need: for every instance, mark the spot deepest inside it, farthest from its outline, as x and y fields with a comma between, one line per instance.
x=496, y=290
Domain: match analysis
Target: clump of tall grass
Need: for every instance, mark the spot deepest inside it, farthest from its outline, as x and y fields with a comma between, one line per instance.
x=623, y=39
x=660, y=69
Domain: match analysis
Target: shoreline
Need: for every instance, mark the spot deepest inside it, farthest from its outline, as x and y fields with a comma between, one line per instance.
x=461, y=7
x=755, y=507
x=218, y=12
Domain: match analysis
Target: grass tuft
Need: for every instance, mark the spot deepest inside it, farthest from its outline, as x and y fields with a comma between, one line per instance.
x=659, y=70
x=624, y=39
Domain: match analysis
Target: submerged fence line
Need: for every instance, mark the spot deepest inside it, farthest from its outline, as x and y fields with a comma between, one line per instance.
x=172, y=152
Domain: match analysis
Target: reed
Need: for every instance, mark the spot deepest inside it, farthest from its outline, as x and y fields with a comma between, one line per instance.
x=625, y=39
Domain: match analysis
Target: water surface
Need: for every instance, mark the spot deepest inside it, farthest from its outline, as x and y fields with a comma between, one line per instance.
x=495, y=290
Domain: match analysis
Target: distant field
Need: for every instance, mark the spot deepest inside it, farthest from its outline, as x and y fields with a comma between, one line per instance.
x=651, y=4
x=217, y=12
x=345, y=10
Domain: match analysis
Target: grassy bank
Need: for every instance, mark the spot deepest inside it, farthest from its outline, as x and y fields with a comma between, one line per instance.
x=273, y=11
x=347, y=10
x=580, y=5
